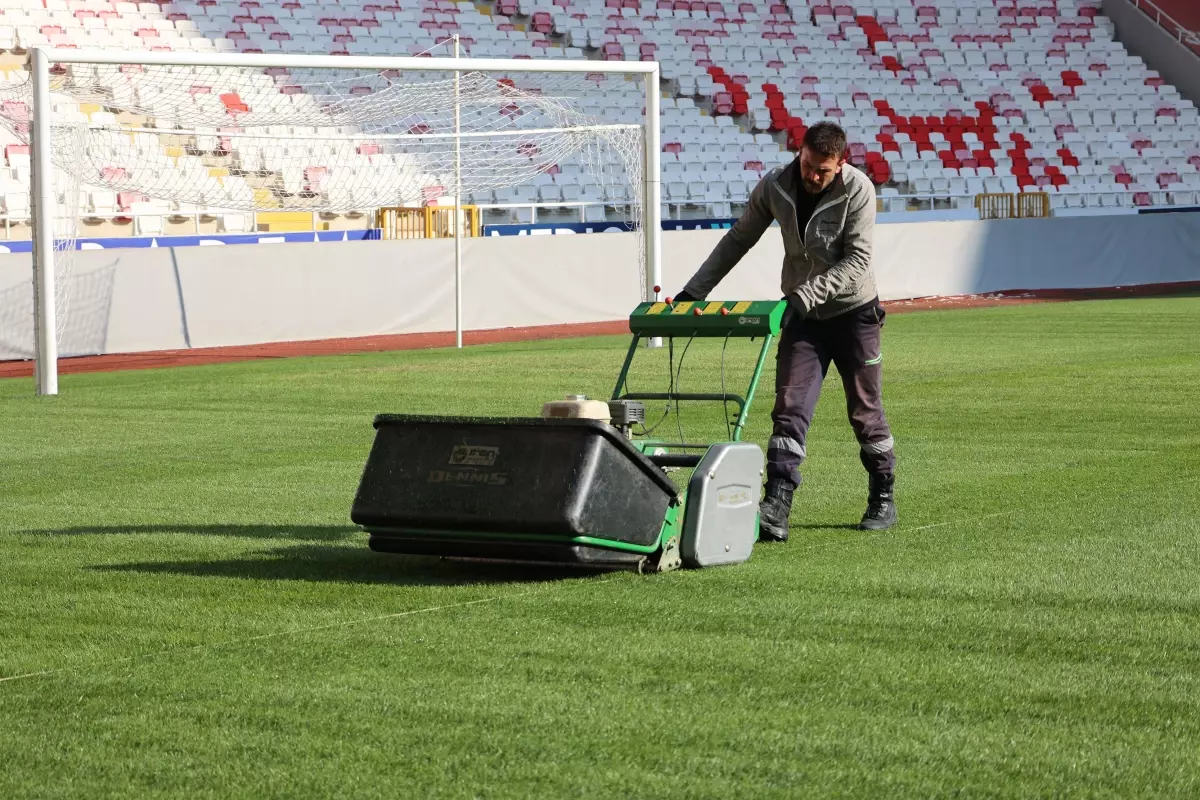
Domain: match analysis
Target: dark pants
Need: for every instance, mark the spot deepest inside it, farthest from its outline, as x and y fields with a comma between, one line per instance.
x=851, y=342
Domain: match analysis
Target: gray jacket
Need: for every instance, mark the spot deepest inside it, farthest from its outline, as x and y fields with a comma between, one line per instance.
x=828, y=265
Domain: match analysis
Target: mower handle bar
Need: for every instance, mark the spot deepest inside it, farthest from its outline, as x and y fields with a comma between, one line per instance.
x=735, y=398
x=675, y=460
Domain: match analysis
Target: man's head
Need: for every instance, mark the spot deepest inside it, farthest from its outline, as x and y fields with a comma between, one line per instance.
x=822, y=156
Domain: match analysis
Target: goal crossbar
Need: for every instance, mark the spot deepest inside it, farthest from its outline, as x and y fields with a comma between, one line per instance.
x=42, y=195
x=264, y=61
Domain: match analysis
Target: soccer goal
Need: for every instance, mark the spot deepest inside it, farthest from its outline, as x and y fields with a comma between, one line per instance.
x=218, y=136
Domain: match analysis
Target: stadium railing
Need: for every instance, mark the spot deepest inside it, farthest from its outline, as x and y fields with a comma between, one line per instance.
x=593, y=212
x=1187, y=37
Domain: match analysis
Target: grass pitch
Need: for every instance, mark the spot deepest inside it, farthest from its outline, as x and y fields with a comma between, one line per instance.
x=185, y=609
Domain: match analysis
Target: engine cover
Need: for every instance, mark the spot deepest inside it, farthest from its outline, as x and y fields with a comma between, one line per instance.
x=720, y=522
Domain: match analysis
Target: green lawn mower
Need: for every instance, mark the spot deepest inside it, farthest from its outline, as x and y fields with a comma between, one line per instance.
x=576, y=485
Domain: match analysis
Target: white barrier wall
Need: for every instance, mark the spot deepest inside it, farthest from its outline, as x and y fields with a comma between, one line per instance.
x=116, y=301
x=165, y=298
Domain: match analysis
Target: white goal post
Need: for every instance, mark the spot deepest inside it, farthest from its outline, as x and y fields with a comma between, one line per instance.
x=467, y=147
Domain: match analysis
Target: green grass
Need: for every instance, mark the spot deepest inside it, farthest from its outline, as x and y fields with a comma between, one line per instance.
x=197, y=616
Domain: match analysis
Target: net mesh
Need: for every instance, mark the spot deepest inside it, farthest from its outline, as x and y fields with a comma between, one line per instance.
x=221, y=141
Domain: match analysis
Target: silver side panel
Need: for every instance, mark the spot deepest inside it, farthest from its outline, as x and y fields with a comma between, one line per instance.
x=720, y=522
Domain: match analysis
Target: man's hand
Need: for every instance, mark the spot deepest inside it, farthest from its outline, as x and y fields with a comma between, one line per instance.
x=796, y=311
x=683, y=297
x=796, y=305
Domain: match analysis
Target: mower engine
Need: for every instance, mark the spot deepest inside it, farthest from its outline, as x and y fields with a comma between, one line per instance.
x=626, y=414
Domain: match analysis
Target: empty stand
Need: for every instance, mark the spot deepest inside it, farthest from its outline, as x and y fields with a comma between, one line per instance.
x=941, y=98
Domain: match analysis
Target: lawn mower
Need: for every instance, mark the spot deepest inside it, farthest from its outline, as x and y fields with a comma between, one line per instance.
x=583, y=483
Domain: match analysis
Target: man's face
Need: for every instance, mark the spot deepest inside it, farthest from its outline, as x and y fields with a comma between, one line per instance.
x=818, y=171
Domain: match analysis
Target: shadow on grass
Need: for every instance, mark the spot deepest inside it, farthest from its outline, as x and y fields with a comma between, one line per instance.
x=322, y=563
x=311, y=533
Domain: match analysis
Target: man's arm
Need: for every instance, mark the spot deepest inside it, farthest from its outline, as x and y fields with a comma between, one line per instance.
x=856, y=259
x=744, y=234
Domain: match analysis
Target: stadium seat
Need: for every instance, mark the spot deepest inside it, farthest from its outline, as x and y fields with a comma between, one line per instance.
x=948, y=96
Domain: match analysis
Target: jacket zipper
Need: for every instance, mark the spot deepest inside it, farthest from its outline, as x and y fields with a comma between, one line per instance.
x=818, y=210
x=804, y=233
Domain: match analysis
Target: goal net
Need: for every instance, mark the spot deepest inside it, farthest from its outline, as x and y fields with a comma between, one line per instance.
x=222, y=138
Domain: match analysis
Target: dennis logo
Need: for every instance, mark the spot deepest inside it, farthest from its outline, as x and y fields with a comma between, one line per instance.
x=470, y=455
x=464, y=462
x=733, y=496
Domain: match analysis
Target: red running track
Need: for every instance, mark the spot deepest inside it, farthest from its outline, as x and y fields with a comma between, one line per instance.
x=420, y=341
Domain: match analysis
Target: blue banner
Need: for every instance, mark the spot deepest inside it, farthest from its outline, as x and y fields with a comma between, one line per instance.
x=697, y=224
x=567, y=228
x=26, y=246
x=1171, y=210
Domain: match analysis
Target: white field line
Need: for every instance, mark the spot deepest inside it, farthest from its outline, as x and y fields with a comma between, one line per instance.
x=961, y=521
x=900, y=531
x=276, y=635
x=433, y=609
x=967, y=521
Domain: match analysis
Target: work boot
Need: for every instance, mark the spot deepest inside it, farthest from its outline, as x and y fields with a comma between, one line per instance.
x=881, y=504
x=774, y=511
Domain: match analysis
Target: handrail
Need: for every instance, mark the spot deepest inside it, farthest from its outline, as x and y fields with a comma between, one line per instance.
x=8, y=220
x=1185, y=35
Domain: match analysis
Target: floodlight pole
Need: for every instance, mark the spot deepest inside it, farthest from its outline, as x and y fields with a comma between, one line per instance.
x=43, y=208
x=652, y=194
x=458, y=324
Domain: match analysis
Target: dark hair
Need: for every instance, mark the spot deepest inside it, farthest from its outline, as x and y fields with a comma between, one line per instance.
x=826, y=139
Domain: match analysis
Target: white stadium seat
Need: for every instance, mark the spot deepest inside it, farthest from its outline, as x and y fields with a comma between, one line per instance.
x=1065, y=103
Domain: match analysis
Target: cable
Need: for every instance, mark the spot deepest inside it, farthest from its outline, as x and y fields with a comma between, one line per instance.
x=724, y=396
x=676, y=384
x=671, y=383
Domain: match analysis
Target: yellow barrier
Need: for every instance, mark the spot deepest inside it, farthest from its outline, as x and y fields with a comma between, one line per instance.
x=1026, y=205
x=279, y=221
x=1033, y=205
x=994, y=206
x=428, y=222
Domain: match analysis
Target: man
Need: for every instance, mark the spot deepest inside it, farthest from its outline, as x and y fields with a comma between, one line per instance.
x=826, y=211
